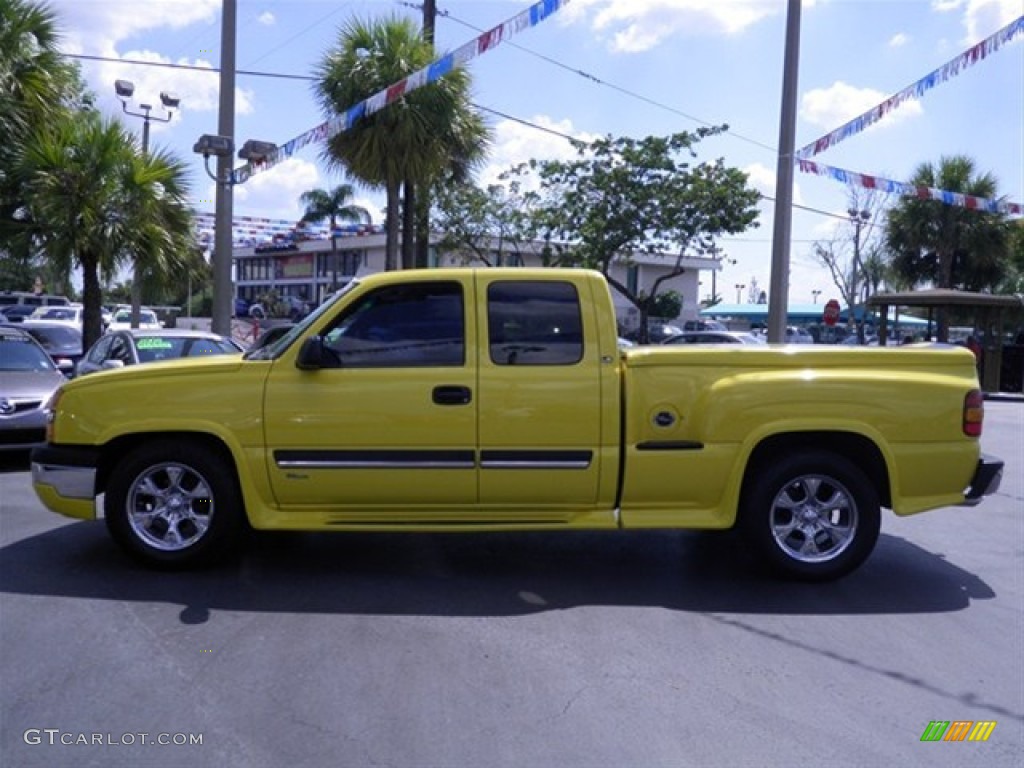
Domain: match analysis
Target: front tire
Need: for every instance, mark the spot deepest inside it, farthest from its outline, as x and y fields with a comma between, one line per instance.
x=174, y=505
x=811, y=516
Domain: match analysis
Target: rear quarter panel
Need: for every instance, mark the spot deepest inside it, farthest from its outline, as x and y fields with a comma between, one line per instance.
x=694, y=417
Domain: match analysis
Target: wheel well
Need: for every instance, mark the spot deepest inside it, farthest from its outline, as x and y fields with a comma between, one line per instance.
x=856, y=448
x=119, y=447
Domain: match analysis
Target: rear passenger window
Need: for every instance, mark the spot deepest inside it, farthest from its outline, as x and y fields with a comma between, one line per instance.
x=412, y=325
x=534, y=323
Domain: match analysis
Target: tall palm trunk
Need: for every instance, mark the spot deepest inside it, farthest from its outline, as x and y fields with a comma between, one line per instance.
x=391, y=237
x=409, y=224
x=92, y=300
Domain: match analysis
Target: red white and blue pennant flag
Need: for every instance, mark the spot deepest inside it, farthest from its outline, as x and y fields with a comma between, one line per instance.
x=911, y=190
x=487, y=41
x=950, y=69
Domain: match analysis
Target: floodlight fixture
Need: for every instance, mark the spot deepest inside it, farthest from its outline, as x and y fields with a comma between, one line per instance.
x=169, y=100
x=209, y=144
x=256, y=151
x=124, y=88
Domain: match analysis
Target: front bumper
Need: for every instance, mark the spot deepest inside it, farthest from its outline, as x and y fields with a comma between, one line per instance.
x=64, y=479
x=987, y=477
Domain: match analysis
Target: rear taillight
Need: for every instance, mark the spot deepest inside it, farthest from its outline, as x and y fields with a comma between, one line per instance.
x=974, y=413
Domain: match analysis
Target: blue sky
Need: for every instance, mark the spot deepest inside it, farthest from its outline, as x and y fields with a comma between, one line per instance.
x=665, y=66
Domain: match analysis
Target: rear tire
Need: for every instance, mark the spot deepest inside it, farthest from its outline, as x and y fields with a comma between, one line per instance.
x=811, y=516
x=174, y=505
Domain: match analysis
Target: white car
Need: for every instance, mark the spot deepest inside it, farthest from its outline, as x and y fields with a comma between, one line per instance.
x=69, y=315
x=122, y=320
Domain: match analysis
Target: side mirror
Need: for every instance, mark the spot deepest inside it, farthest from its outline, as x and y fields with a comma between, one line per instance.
x=112, y=365
x=312, y=355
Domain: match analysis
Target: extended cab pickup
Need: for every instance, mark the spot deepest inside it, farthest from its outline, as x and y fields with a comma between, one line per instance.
x=498, y=399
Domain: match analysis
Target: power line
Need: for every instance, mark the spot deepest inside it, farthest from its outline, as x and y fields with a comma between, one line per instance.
x=613, y=86
x=193, y=67
x=482, y=108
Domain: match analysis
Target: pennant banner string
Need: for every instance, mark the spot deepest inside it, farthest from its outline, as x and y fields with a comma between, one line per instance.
x=947, y=71
x=485, y=42
x=911, y=190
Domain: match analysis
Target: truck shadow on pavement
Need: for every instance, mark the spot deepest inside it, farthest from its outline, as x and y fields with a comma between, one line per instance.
x=489, y=574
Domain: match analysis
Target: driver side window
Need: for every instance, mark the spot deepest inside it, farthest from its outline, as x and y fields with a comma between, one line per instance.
x=402, y=326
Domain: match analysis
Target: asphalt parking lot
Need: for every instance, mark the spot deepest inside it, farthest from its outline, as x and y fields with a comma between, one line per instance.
x=584, y=649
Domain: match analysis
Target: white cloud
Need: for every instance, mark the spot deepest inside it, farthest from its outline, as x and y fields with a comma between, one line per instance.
x=516, y=143
x=946, y=6
x=98, y=27
x=831, y=107
x=763, y=179
x=898, y=40
x=275, y=193
x=267, y=19
x=983, y=17
x=639, y=25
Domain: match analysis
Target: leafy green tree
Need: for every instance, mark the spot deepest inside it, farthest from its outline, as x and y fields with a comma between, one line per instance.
x=334, y=206
x=622, y=197
x=403, y=142
x=945, y=245
x=93, y=200
x=485, y=225
x=37, y=85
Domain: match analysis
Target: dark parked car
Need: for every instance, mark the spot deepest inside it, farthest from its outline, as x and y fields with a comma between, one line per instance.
x=131, y=347
x=28, y=378
x=16, y=313
x=61, y=342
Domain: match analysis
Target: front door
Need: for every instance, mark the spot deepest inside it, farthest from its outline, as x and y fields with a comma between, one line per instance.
x=390, y=423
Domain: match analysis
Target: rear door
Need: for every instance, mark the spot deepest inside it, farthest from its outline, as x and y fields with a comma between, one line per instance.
x=544, y=398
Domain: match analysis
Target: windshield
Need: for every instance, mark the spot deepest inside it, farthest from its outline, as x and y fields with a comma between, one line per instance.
x=57, y=336
x=153, y=348
x=272, y=350
x=21, y=353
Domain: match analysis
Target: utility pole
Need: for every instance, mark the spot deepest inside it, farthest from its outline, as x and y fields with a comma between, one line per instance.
x=778, y=299
x=223, y=287
x=422, y=213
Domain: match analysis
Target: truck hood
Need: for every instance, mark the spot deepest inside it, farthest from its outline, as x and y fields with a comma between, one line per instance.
x=191, y=368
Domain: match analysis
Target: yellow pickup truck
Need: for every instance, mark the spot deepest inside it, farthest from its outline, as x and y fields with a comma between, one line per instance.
x=499, y=399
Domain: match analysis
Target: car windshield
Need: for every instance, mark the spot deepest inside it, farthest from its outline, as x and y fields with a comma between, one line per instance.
x=56, y=335
x=125, y=316
x=55, y=313
x=21, y=353
x=153, y=348
x=274, y=349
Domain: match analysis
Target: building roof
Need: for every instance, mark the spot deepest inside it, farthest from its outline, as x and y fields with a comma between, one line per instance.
x=942, y=297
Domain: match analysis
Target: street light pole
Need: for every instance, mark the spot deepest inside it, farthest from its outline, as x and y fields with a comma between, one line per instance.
x=739, y=289
x=124, y=90
x=816, y=292
x=223, y=287
x=859, y=218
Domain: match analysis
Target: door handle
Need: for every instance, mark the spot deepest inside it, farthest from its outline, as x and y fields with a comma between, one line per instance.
x=452, y=395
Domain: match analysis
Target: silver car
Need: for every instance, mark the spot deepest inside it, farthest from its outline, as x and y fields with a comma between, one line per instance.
x=131, y=347
x=28, y=377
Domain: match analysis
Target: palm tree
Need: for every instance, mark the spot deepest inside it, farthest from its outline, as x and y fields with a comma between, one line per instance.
x=949, y=246
x=93, y=200
x=408, y=141
x=37, y=84
x=160, y=239
x=333, y=206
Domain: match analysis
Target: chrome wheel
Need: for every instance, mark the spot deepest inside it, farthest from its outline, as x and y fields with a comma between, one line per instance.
x=170, y=506
x=814, y=518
